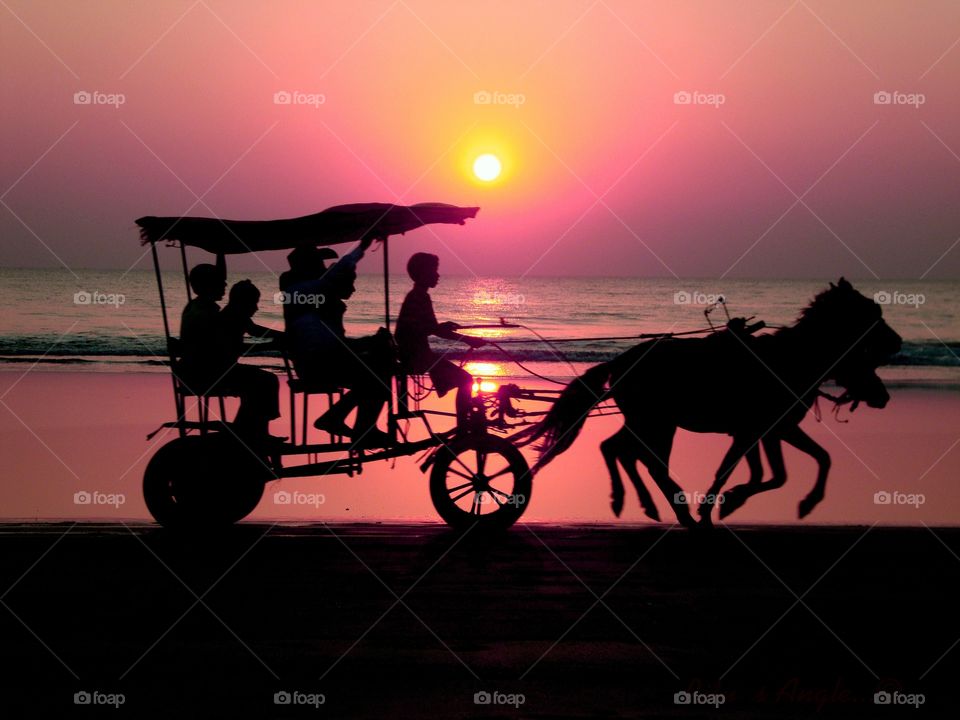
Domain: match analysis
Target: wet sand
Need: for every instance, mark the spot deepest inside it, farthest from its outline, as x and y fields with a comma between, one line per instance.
x=63, y=433
x=412, y=620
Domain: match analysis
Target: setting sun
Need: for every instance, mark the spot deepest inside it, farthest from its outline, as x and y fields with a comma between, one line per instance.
x=486, y=167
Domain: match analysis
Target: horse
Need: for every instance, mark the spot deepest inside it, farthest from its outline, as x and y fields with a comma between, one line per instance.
x=755, y=389
x=864, y=386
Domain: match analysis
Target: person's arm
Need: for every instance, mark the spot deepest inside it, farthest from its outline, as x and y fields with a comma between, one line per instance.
x=275, y=337
x=261, y=331
x=349, y=261
x=448, y=331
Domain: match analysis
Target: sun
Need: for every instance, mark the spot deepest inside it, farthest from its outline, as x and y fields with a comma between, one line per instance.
x=487, y=167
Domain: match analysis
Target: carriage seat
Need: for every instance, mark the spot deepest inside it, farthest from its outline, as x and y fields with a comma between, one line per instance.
x=182, y=390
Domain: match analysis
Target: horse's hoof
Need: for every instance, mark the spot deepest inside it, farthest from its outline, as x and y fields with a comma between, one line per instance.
x=651, y=512
x=617, y=506
x=729, y=502
x=704, y=511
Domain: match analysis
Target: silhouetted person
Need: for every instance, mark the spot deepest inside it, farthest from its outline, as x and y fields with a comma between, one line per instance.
x=306, y=263
x=258, y=389
x=322, y=352
x=199, y=320
x=212, y=343
x=417, y=322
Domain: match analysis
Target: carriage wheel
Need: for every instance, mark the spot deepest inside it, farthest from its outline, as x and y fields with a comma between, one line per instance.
x=203, y=481
x=480, y=479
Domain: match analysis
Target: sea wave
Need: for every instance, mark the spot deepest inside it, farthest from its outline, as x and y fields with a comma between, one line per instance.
x=86, y=348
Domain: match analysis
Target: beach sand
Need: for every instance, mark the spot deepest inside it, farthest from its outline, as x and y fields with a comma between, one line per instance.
x=393, y=617
x=412, y=620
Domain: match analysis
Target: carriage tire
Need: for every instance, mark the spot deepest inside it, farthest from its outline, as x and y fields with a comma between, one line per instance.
x=492, y=499
x=203, y=481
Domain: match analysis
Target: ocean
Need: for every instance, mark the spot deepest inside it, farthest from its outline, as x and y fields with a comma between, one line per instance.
x=110, y=321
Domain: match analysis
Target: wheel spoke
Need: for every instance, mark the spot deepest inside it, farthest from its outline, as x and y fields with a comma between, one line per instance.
x=464, y=466
x=498, y=473
x=475, y=510
x=462, y=495
x=481, y=461
x=492, y=489
x=496, y=499
x=457, y=472
x=452, y=490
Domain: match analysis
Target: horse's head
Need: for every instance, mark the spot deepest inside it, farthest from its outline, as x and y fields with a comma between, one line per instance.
x=862, y=384
x=851, y=328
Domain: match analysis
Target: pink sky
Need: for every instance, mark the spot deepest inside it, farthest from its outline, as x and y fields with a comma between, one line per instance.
x=686, y=190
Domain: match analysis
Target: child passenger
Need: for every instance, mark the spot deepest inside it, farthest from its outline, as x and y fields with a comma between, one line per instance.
x=417, y=322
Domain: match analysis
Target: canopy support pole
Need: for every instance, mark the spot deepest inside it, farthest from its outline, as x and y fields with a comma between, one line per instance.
x=186, y=274
x=166, y=331
x=163, y=303
x=386, y=284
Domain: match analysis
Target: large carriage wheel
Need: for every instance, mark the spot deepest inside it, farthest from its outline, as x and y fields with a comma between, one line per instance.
x=203, y=481
x=480, y=479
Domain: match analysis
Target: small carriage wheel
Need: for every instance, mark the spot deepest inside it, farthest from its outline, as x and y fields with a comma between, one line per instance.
x=203, y=481
x=480, y=479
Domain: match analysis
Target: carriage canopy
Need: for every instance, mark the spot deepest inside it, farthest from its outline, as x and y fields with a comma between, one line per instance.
x=339, y=224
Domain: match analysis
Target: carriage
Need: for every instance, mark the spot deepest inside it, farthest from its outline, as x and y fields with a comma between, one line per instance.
x=208, y=476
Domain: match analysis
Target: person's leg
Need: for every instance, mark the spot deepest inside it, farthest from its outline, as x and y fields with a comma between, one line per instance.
x=334, y=420
x=259, y=392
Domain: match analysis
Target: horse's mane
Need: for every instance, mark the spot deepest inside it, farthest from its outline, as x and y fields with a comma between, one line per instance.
x=824, y=303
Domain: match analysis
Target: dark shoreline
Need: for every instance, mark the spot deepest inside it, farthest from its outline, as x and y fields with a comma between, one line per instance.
x=285, y=604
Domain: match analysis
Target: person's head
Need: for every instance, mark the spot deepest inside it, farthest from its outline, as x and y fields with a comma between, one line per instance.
x=424, y=269
x=207, y=281
x=308, y=260
x=244, y=297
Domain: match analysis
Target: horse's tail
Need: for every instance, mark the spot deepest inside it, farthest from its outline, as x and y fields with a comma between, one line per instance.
x=561, y=425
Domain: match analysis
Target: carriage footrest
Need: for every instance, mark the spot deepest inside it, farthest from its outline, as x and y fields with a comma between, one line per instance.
x=189, y=425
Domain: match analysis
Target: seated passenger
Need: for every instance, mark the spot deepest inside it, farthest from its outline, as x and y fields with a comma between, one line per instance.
x=417, y=322
x=212, y=342
x=322, y=353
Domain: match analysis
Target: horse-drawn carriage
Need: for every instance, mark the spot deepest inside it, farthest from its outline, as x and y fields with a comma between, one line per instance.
x=207, y=475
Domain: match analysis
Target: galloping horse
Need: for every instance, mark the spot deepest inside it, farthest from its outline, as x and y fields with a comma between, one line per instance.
x=755, y=389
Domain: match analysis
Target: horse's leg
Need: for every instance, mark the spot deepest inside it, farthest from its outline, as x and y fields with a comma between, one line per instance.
x=646, y=500
x=739, y=447
x=653, y=450
x=611, y=449
x=804, y=443
x=735, y=497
